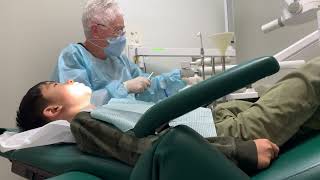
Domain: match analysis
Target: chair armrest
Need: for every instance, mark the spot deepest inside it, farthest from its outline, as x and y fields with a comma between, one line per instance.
x=204, y=93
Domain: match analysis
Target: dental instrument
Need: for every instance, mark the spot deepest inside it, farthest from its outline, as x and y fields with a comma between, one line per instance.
x=201, y=53
x=164, y=87
x=149, y=77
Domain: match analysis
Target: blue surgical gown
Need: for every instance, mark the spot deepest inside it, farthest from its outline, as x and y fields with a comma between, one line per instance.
x=106, y=77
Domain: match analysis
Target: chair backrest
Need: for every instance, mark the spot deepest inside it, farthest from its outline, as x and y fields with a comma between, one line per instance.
x=204, y=93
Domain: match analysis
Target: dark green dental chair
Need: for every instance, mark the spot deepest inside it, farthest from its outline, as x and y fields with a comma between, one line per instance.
x=179, y=154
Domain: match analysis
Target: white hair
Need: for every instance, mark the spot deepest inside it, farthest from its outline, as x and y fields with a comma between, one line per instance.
x=99, y=12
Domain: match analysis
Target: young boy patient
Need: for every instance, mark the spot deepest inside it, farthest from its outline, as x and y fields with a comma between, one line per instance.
x=49, y=101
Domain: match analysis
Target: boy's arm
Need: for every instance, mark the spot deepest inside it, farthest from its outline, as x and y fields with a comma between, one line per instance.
x=96, y=137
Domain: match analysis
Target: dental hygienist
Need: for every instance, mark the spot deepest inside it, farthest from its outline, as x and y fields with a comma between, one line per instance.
x=100, y=63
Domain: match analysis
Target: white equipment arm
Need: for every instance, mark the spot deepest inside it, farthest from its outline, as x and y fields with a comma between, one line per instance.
x=294, y=12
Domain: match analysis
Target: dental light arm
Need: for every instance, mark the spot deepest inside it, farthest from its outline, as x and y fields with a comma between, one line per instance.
x=294, y=12
x=297, y=47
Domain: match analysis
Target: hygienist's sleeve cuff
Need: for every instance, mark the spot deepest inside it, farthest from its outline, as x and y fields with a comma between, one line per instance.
x=116, y=89
x=125, y=86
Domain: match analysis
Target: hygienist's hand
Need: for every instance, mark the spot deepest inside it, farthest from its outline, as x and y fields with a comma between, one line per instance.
x=266, y=151
x=192, y=80
x=137, y=85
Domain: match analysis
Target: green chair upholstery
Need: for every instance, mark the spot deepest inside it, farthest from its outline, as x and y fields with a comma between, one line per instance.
x=75, y=175
x=67, y=157
x=300, y=162
x=60, y=159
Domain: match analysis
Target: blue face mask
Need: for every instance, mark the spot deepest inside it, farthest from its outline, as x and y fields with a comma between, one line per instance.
x=115, y=46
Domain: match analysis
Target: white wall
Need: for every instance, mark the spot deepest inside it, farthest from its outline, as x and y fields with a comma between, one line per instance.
x=172, y=24
x=33, y=33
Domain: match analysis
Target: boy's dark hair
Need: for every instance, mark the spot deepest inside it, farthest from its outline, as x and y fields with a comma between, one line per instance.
x=29, y=114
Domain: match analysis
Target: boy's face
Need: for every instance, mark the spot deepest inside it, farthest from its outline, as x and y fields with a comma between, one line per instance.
x=68, y=94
